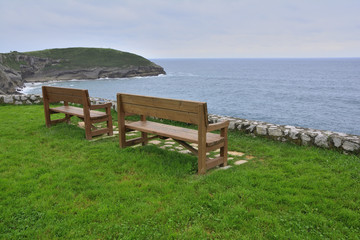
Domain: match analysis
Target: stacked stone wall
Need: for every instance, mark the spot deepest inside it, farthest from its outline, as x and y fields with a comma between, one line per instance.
x=346, y=143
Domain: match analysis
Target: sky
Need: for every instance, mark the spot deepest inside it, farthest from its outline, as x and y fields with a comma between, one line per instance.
x=186, y=28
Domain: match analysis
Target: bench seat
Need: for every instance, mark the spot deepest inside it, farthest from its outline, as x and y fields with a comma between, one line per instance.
x=79, y=112
x=180, y=133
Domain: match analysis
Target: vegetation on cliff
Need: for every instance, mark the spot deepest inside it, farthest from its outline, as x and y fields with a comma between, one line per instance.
x=73, y=58
x=70, y=63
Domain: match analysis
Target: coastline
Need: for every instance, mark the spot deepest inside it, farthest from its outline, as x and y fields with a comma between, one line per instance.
x=343, y=142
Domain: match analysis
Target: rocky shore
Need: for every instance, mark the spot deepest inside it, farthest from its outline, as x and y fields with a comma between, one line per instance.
x=26, y=68
x=346, y=143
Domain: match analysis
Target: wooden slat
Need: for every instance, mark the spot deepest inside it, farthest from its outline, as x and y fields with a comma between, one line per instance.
x=186, y=117
x=164, y=103
x=217, y=126
x=58, y=97
x=210, y=163
x=79, y=112
x=99, y=131
x=187, y=146
x=215, y=146
x=58, y=120
x=183, y=134
x=65, y=91
x=138, y=140
x=97, y=120
x=57, y=94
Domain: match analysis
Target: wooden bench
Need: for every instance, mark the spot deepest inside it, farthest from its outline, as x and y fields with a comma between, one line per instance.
x=177, y=110
x=86, y=112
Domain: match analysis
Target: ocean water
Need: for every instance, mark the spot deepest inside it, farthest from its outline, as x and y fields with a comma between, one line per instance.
x=315, y=93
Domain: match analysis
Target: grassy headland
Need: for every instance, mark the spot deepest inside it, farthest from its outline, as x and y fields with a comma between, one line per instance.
x=91, y=57
x=56, y=185
x=16, y=68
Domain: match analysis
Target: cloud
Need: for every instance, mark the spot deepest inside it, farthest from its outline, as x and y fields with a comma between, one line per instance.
x=163, y=28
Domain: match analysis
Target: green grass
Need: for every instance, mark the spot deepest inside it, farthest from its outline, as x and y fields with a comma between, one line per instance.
x=56, y=185
x=90, y=57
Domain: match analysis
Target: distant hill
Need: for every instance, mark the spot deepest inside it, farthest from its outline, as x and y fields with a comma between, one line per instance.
x=70, y=63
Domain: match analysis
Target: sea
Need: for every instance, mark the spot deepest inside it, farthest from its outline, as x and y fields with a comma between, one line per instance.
x=313, y=93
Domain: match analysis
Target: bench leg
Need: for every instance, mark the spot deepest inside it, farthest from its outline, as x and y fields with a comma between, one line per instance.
x=67, y=118
x=202, y=151
x=47, y=120
x=109, y=122
x=121, y=126
x=88, y=128
x=201, y=160
x=224, y=149
x=47, y=113
x=144, y=136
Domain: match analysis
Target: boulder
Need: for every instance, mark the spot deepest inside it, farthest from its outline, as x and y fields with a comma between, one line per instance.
x=261, y=130
x=321, y=140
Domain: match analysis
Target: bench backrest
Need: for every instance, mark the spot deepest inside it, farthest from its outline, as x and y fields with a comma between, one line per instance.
x=177, y=110
x=57, y=94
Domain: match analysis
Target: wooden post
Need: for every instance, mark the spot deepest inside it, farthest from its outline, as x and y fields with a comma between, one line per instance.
x=201, y=142
x=109, y=121
x=46, y=107
x=87, y=120
x=144, y=135
x=121, y=123
x=67, y=116
x=224, y=149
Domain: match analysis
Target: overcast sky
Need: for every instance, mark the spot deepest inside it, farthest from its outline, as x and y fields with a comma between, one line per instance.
x=186, y=28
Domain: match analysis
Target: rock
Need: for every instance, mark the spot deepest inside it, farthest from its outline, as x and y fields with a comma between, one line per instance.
x=10, y=80
x=337, y=141
x=225, y=168
x=233, y=153
x=185, y=151
x=275, y=132
x=232, y=125
x=321, y=140
x=8, y=99
x=294, y=134
x=305, y=139
x=240, y=162
x=156, y=142
x=261, y=129
x=350, y=146
x=251, y=128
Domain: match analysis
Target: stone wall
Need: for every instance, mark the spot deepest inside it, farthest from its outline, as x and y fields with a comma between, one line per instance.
x=345, y=143
x=21, y=99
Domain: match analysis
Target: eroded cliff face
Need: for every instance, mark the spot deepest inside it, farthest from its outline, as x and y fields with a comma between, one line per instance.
x=17, y=68
x=10, y=80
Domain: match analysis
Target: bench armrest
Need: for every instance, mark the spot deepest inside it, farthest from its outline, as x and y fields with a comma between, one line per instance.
x=217, y=126
x=98, y=106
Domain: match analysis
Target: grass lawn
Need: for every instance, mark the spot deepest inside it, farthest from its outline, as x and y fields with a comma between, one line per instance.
x=56, y=185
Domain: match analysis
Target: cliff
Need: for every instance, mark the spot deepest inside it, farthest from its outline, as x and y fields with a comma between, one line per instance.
x=70, y=63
